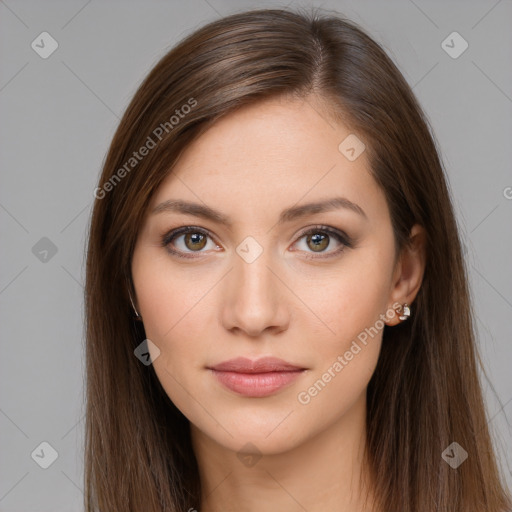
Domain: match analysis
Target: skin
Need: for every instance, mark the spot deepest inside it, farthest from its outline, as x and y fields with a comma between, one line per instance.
x=203, y=310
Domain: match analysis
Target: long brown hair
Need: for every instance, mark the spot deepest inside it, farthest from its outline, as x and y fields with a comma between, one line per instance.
x=425, y=392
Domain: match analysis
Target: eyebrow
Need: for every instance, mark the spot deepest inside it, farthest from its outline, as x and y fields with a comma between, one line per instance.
x=287, y=215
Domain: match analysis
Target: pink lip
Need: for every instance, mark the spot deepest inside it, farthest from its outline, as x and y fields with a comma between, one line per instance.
x=259, y=378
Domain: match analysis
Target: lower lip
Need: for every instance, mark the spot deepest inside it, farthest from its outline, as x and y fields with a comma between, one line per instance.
x=256, y=384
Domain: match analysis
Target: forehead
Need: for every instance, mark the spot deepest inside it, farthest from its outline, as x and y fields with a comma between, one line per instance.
x=269, y=153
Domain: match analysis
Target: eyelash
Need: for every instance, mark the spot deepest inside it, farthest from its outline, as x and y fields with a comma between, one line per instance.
x=341, y=237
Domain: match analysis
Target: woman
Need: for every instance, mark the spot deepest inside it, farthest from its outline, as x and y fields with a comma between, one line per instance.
x=278, y=315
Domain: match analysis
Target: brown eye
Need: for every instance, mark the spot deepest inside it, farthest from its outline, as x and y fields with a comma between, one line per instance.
x=324, y=241
x=195, y=241
x=318, y=242
x=183, y=242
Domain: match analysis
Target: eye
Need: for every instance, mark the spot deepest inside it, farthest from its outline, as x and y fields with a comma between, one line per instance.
x=319, y=238
x=185, y=241
x=193, y=240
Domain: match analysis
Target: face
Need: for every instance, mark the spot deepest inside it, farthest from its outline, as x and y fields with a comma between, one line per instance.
x=311, y=286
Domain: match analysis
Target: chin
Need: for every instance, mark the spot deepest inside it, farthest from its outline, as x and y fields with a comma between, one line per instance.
x=269, y=435
x=252, y=440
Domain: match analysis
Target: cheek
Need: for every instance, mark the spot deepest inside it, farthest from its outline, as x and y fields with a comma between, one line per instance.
x=172, y=306
x=337, y=388
x=346, y=359
x=354, y=311
x=178, y=331
x=354, y=298
x=352, y=305
x=173, y=313
x=170, y=299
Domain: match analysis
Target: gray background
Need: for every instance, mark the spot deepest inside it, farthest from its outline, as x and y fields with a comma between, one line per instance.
x=58, y=117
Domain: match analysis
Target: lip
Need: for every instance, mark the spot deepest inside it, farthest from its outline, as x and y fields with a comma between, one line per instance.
x=259, y=378
x=262, y=365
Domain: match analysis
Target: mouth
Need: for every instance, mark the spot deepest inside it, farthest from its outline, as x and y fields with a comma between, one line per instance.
x=256, y=379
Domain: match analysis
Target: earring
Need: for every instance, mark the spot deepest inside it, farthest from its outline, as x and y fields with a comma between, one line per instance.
x=405, y=310
x=137, y=315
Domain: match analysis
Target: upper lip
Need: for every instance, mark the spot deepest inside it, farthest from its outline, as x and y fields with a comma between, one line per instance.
x=262, y=365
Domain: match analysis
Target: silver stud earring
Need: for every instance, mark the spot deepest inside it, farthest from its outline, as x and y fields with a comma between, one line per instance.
x=405, y=310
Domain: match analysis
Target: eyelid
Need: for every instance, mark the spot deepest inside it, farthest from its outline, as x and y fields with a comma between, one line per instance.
x=173, y=233
x=328, y=229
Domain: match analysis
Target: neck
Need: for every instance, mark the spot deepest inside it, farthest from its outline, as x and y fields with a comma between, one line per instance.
x=325, y=472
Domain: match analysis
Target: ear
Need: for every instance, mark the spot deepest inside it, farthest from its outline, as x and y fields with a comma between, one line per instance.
x=408, y=272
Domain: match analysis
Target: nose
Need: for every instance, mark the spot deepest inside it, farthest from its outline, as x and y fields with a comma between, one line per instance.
x=255, y=298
